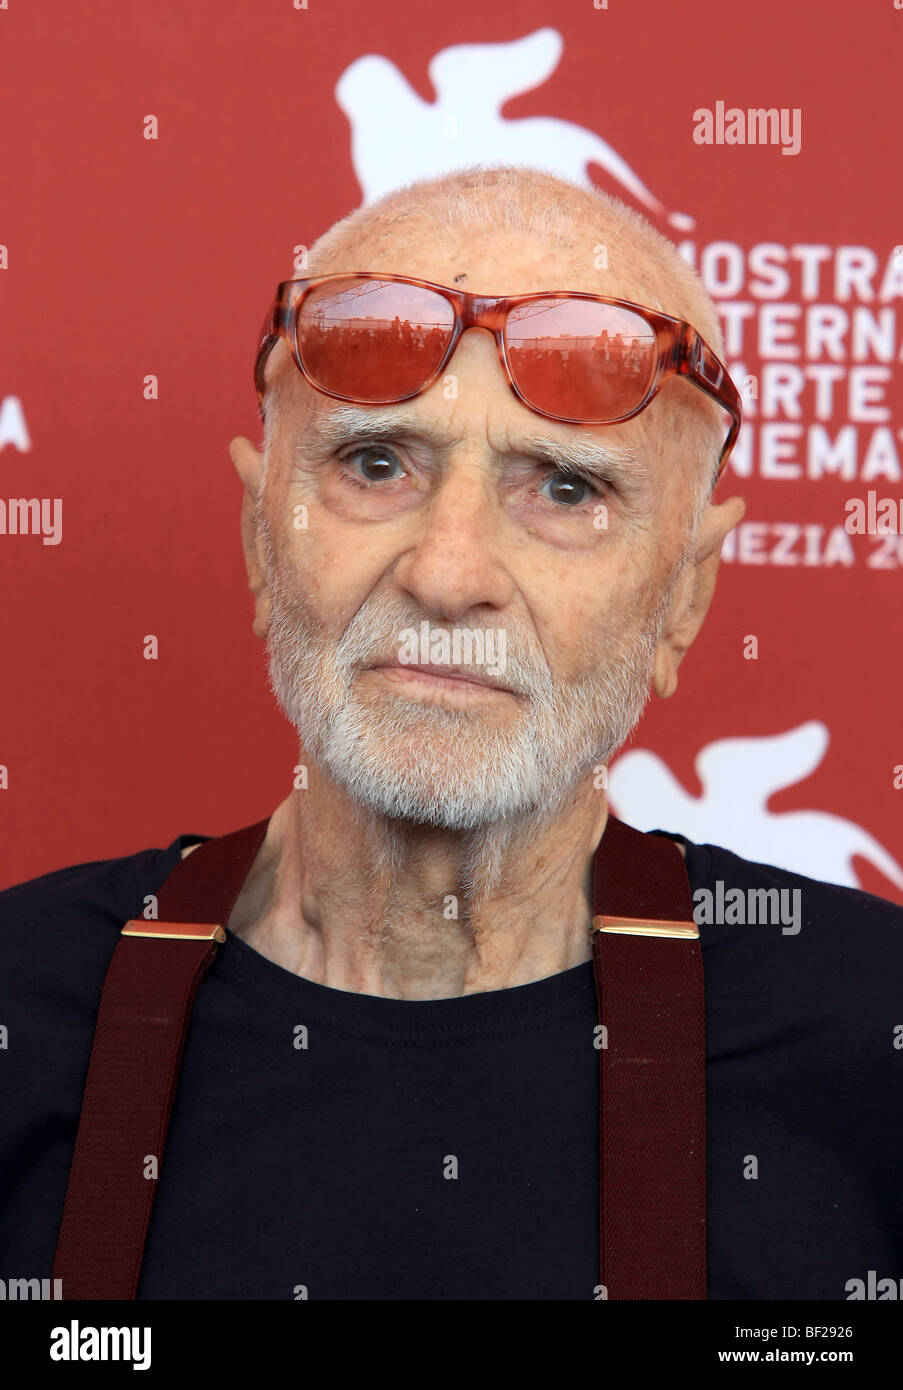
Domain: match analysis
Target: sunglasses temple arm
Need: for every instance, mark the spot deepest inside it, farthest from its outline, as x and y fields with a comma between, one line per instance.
x=695, y=351
x=731, y=440
x=263, y=352
x=267, y=340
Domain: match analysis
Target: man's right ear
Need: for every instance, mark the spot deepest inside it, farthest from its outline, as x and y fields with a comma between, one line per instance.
x=248, y=463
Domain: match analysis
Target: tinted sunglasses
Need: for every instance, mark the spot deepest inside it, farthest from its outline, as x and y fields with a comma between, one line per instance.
x=376, y=339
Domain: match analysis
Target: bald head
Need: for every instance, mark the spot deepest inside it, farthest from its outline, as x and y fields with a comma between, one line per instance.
x=550, y=212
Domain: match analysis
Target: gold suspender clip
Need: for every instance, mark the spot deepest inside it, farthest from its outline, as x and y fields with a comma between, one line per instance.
x=176, y=931
x=640, y=926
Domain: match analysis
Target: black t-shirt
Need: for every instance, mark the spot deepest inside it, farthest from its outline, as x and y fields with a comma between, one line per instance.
x=448, y=1149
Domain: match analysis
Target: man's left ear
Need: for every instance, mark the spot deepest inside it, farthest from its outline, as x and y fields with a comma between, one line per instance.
x=693, y=594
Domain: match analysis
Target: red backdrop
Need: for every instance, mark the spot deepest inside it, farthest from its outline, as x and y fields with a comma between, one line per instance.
x=125, y=257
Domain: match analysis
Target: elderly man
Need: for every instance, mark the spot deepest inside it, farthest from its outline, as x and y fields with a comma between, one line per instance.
x=479, y=529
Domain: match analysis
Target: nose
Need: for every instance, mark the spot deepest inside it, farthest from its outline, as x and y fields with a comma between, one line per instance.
x=456, y=563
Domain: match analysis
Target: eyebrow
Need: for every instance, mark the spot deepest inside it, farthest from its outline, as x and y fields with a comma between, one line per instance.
x=606, y=463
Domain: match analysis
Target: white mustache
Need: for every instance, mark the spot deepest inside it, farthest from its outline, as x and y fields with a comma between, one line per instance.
x=371, y=639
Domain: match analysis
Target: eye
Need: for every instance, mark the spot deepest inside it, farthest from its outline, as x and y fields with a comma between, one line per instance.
x=377, y=462
x=568, y=489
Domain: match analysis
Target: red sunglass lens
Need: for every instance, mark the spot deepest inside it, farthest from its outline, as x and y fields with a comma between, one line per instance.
x=580, y=359
x=373, y=340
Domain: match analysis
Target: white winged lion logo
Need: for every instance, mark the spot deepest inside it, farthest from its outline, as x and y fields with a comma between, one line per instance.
x=738, y=776
x=396, y=136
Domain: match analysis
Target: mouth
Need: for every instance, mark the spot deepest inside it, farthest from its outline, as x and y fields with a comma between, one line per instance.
x=448, y=678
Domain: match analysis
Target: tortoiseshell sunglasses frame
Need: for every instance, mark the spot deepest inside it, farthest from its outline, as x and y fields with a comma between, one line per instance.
x=682, y=351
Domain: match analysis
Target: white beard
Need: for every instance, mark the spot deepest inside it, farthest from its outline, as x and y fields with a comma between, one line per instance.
x=453, y=768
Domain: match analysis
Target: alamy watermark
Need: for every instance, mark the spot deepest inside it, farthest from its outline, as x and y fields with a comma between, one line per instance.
x=462, y=647
x=23, y=1290
x=32, y=516
x=775, y=907
x=874, y=1288
x=757, y=125
x=82, y=1342
x=873, y=515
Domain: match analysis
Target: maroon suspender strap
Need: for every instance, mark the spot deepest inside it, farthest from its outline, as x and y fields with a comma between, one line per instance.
x=649, y=985
x=133, y=1072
